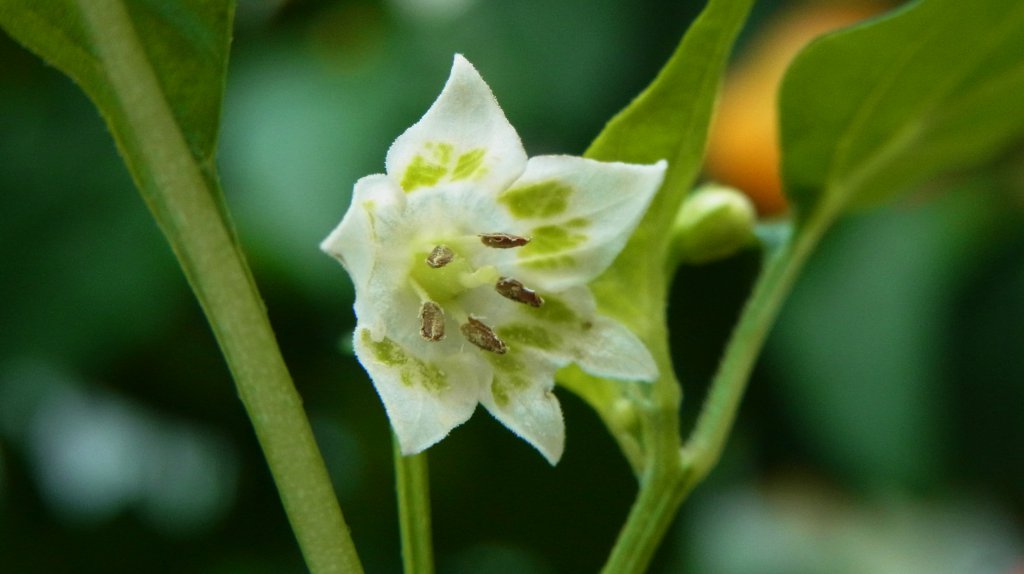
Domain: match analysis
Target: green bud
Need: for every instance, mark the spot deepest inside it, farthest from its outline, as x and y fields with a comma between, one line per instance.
x=713, y=223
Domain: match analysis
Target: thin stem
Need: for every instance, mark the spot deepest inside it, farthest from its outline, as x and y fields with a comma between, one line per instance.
x=186, y=208
x=672, y=477
x=649, y=519
x=412, y=483
x=706, y=442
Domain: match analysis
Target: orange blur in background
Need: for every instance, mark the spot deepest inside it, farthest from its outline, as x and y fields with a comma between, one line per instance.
x=743, y=149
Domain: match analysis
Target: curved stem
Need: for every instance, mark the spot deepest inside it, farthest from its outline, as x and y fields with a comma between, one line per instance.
x=185, y=205
x=648, y=521
x=412, y=483
x=673, y=476
x=706, y=442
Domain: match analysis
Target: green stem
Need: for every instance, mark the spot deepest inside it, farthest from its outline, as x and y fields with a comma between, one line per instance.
x=186, y=208
x=706, y=442
x=652, y=513
x=672, y=476
x=412, y=482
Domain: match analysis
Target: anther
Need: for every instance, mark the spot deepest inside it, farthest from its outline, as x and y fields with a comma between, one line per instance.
x=476, y=332
x=511, y=289
x=440, y=256
x=431, y=321
x=503, y=240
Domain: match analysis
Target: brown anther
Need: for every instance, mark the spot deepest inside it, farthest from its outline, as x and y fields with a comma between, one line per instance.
x=440, y=256
x=431, y=321
x=476, y=332
x=503, y=240
x=511, y=289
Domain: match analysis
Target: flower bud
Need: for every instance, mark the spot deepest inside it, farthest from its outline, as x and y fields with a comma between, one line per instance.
x=713, y=223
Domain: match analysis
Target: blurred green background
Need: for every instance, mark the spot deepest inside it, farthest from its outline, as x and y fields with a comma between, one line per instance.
x=883, y=431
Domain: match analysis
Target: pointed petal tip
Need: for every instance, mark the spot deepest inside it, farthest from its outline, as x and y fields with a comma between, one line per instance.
x=553, y=456
x=331, y=244
x=463, y=69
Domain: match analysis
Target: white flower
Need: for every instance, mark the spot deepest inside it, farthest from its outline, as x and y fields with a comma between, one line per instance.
x=471, y=266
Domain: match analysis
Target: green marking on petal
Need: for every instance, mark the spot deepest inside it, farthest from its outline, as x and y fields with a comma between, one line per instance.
x=426, y=171
x=553, y=310
x=531, y=335
x=387, y=351
x=550, y=262
x=547, y=241
x=551, y=239
x=431, y=376
x=442, y=151
x=468, y=164
x=507, y=378
x=544, y=199
x=412, y=371
x=422, y=173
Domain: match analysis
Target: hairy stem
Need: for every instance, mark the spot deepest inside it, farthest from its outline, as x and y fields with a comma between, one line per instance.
x=186, y=208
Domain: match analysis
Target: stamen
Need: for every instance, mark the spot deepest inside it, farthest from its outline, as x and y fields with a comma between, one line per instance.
x=511, y=289
x=431, y=321
x=476, y=332
x=440, y=256
x=503, y=240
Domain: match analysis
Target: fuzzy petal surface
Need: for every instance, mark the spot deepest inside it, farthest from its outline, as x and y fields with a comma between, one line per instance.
x=521, y=397
x=425, y=397
x=578, y=213
x=463, y=137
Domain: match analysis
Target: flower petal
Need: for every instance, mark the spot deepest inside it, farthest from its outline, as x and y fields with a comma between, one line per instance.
x=567, y=328
x=363, y=242
x=521, y=397
x=464, y=136
x=354, y=241
x=578, y=213
x=425, y=397
x=609, y=349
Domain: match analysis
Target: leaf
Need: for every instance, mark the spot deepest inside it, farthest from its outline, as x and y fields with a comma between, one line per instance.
x=185, y=44
x=932, y=88
x=668, y=120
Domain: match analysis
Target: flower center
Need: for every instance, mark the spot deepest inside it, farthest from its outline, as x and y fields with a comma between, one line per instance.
x=440, y=275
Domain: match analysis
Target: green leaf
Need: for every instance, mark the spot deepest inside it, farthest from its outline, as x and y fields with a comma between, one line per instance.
x=184, y=42
x=668, y=120
x=932, y=88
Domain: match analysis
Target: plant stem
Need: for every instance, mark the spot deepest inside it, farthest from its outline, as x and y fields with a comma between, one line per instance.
x=649, y=519
x=672, y=476
x=186, y=208
x=412, y=483
x=706, y=442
